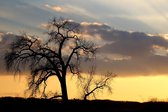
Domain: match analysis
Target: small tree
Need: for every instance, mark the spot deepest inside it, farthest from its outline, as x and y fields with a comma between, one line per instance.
x=91, y=85
x=60, y=53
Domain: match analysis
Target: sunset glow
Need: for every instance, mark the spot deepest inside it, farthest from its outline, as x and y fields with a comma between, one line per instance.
x=131, y=37
x=142, y=88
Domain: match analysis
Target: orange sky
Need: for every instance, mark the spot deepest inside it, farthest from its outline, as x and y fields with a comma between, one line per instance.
x=140, y=89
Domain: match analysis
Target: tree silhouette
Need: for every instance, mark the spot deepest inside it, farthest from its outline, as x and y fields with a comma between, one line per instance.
x=61, y=52
x=92, y=85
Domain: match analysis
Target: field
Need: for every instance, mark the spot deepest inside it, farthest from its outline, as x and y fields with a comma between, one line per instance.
x=10, y=104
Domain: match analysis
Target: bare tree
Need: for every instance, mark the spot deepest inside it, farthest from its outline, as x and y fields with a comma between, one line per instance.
x=91, y=85
x=59, y=53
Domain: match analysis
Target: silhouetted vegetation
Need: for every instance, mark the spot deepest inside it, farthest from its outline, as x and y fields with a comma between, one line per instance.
x=9, y=104
x=61, y=52
x=91, y=85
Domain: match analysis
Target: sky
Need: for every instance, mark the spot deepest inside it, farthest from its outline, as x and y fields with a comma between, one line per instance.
x=132, y=35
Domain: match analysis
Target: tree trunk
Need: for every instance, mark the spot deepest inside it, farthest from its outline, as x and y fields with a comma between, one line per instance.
x=85, y=98
x=64, y=89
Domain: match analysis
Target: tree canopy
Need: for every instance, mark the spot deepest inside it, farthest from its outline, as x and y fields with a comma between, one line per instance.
x=56, y=55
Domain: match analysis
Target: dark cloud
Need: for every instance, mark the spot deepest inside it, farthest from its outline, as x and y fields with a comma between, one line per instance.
x=134, y=44
x=130, y=53
x=124, y=53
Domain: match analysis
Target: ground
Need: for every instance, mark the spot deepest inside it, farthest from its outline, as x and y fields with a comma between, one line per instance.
x=10, y=104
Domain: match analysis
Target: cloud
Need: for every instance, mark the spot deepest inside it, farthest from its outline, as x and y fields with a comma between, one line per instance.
x=129, y=53
x=124, y=42
x=132, y=44
x=122, y=52
x=55, y=8
x=44, y=25
x=71, y=9
x=1, y=35
x=89, y=24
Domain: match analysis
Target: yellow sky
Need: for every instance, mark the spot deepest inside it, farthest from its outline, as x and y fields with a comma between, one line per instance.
x=140, y=89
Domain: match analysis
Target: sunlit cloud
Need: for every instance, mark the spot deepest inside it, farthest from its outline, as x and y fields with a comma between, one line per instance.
x=44, y=25
x=1, y=35
x=159, y=50
x=96, y=38
x=71, y=9
x=55, y=8
x=113, y=57
x=89, y=23
x=164, y=36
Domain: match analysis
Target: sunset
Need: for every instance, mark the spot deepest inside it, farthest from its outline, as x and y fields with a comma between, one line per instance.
x=127, y=39
x=124, y=88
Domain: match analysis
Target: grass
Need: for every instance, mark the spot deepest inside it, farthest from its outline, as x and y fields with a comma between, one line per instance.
x=16, y=104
